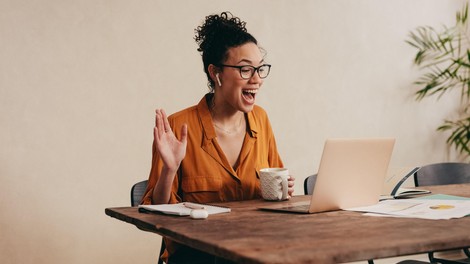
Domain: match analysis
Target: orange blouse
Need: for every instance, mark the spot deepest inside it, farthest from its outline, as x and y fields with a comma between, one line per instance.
x=205, y=175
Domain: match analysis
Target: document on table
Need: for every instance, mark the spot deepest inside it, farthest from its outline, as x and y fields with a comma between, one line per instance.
x=429, y=208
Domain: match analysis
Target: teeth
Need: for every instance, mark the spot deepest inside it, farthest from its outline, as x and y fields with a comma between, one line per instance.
x=253, y=91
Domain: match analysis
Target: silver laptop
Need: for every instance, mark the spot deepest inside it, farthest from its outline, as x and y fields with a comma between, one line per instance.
x=351, y=174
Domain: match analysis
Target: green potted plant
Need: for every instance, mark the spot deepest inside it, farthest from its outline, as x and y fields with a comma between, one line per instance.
x=444, y=56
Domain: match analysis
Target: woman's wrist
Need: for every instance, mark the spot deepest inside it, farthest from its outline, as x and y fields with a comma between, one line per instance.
x=162, y=189
x=169, y=170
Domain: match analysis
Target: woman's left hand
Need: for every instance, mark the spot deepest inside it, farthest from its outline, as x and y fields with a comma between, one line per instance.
x=290, y=183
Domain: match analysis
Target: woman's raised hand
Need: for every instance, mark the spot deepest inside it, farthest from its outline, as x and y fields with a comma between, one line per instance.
x=172, y=150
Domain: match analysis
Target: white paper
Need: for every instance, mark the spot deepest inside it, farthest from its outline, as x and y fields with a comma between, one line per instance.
x=419, y=208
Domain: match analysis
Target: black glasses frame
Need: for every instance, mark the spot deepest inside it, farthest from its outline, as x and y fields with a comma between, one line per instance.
x=255, y=69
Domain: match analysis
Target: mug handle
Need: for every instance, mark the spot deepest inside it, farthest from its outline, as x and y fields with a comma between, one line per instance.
x=285, y=187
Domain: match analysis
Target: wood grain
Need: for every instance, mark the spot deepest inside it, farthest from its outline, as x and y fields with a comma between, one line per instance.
x=249, y=235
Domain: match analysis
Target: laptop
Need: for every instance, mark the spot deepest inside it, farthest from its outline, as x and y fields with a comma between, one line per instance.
x=351, y=174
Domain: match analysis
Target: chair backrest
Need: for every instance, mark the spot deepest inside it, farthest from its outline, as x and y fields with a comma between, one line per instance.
x=309, y=183
x=137, y=192
x=442, y=174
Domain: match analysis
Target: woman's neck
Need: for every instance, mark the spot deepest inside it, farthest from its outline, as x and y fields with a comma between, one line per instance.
x=226, y=118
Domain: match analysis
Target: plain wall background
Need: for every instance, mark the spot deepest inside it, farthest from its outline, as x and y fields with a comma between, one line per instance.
x=79, y=82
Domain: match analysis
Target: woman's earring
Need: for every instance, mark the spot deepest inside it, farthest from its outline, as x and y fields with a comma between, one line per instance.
x=218, y=80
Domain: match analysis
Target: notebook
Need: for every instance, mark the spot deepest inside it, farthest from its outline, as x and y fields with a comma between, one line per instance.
x=351, y=174
x=182, y=209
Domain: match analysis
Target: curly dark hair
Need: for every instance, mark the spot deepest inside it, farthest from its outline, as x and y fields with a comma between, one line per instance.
x=216, y=35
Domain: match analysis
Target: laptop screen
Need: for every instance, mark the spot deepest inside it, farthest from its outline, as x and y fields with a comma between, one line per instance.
x=351, y=173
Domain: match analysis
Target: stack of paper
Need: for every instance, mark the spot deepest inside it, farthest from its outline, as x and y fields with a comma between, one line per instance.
x=431, y=207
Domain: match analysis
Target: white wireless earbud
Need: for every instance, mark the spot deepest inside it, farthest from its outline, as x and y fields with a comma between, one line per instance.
x=218, y=80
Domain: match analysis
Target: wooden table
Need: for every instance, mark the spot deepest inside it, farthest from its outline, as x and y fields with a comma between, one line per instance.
x=249, y=235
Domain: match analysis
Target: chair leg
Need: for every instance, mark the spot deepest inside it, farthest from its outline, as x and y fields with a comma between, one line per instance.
x=467, y=252
x=370, y=261
x=431, y=257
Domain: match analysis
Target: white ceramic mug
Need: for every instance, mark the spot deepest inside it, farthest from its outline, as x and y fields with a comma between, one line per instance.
x=274, y=183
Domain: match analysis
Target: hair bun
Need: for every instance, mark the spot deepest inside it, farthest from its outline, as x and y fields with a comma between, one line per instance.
x=218, y=28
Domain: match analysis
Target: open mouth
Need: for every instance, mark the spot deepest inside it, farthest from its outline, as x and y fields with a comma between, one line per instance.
x=249, y=95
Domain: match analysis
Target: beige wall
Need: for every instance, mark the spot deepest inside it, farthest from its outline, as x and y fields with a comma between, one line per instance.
x=79, y=81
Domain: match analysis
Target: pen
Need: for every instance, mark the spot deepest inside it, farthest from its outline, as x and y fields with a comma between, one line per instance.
x=193, y=206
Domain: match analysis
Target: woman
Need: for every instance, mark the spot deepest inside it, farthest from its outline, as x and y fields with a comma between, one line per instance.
x=213, y=151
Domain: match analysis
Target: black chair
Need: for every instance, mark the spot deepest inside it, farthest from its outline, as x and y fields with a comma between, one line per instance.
x=442, y=174
x=309, y=183
x=137, y=192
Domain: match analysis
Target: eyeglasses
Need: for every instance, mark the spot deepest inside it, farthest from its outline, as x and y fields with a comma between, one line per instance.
x=247, y=71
